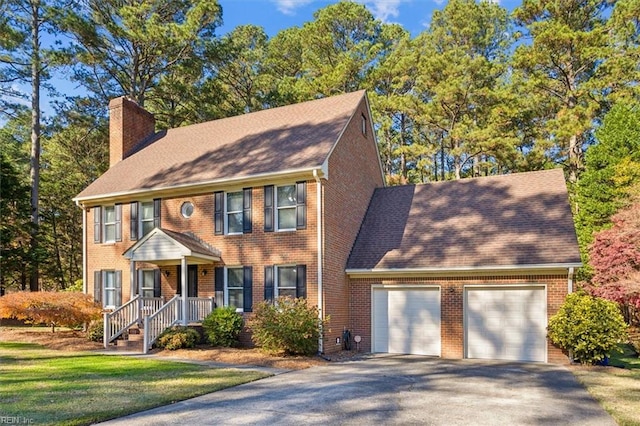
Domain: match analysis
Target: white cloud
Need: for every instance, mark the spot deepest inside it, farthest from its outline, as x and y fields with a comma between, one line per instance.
x=288, y=7
x=384, y=9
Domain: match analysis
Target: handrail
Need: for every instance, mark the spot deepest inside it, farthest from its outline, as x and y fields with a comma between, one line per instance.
x=119, y=320
x=163, y=318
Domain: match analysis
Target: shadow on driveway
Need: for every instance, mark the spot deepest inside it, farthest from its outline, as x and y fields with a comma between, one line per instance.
x=395, y=390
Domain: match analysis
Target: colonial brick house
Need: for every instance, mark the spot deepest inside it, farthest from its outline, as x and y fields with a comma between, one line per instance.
x=291, y=201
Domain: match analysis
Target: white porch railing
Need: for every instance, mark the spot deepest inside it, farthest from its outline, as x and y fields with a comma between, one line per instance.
x=198, y=308
x=116, y=322
x=163, y=318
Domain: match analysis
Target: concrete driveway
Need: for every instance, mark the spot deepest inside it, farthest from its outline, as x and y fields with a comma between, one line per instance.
x=394, y=390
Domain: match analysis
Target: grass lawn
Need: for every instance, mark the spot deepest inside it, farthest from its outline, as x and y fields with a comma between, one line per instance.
x=78, y=388
x=616, y=387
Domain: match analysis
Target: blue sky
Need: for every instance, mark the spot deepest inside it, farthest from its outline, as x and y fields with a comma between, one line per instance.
x=275, y=15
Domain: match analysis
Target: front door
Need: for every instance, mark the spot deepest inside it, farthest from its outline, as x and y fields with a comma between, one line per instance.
x=192, y=280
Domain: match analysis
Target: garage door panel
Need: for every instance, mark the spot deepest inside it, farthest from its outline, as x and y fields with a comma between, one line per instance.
x=407, y=321
x=506, y=323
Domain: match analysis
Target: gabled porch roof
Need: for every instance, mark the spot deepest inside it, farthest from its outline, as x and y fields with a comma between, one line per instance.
x=166, y=247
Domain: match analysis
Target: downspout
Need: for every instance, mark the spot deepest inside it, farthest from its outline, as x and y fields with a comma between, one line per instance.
x=320, y=257
x=570, y=280
x=84, y=248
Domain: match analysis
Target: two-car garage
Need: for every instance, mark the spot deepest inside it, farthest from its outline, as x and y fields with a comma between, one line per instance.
x=499, y=322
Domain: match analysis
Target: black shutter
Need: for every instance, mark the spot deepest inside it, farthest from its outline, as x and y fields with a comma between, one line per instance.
x=219, y=286
x=97, y=224
x=268, y=208
x=179, y=280
x=268, y=283
x=218, y=219
x=118, y=210
x=118, y=288
x=247, y=284
x=246, y=211
x=157, y=290
x=301, y=281
x=97, y=286
x=133, y=226
x=156, y=213
x=301, y=205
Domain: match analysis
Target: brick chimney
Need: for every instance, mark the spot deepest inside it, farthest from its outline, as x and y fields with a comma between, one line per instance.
x=128, y=124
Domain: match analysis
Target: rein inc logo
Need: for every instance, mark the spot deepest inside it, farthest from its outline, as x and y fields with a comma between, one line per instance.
x=15, y=420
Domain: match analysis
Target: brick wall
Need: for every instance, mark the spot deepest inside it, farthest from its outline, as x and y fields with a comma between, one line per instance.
x=354, y=173
x=452, y=303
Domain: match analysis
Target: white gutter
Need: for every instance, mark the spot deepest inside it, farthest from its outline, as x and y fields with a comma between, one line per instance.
x=320, y=257
x=461, y=269
x=84, y=250
x=570, y=280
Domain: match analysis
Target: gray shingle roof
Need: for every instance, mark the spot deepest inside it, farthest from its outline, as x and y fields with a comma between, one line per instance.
x=518, y=219
x=294, y=137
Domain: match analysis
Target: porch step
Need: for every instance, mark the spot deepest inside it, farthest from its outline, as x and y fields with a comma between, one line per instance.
x=129, y=345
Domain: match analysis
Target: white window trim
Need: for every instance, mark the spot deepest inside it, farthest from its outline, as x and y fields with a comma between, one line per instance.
x=276, y=281
x=226, y=214
x=113, y=289
x=277, y=209
x=105, y=224
x=226, y=286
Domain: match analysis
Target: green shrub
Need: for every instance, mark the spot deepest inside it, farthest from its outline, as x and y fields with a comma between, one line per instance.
x=289, y=326
x=223, y=326
x=95, y=331
x=588, y=327
x=178, y=337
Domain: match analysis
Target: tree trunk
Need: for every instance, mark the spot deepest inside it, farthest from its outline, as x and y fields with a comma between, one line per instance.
x=35, y=142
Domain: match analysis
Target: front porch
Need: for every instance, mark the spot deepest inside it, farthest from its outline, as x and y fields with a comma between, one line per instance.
x=152, y=315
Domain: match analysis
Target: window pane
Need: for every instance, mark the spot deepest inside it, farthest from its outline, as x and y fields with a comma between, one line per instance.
x=234, y=277
x=110, y=214
x=286, y=276
x=146, y=211
x=234, y=202
x=147, y=292
x=147, y=226
x=110, y=232
x=235, y=223
x=110, y=297
x=287, y=218
x=286, y=195
x=235, y=298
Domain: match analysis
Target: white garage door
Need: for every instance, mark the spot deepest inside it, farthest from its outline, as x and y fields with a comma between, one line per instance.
x=406, y=320
x=506, y=323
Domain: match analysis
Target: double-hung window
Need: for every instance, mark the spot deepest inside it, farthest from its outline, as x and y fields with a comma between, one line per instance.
x=109, y=224
x=147, y=282
x=285, y=207
x=285, y=280
x=146, y=218
x=286, y=202
x=233, y=212
x=234, y=287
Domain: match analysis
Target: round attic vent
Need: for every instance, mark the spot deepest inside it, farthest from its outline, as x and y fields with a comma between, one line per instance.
x=186, y=209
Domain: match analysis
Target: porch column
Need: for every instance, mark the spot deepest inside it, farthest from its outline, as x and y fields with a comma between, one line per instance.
x=185, y=305
x=133, y=285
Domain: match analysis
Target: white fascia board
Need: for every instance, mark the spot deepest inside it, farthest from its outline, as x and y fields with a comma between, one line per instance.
x=195, y=188
x=462, y=270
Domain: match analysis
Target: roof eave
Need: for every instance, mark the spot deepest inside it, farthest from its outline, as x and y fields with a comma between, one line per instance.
x=200, y=187
x=546, y=268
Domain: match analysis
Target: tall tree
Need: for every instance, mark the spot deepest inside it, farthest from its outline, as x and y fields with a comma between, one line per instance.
x=612, y=169
x=23, y=59
x=462, y=64
x=567, y=42
x=124, y=47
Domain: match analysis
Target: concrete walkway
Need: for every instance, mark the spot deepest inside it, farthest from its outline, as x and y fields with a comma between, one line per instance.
x=394, y=390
